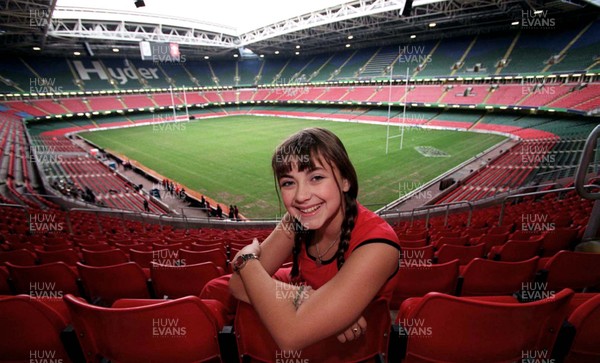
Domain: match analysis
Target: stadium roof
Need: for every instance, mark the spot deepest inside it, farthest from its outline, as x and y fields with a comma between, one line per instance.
x=288, y=27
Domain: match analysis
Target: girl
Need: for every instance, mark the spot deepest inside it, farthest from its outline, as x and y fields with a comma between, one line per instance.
x=343, y=255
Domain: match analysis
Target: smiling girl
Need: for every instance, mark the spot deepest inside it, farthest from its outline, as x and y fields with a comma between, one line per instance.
x=344, y=256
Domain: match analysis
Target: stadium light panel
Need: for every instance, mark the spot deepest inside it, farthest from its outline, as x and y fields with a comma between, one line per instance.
x=76, y=53
x=347, y=45
x=276, y=52
x=413, y=36
x=116, y=50
x=514, y=23
x=37, y=48
x=350, y=37
x=432, y=25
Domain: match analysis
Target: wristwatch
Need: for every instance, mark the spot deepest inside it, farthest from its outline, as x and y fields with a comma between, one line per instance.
x=241, y=260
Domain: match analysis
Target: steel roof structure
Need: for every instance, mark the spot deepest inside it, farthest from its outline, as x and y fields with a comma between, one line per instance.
x=55, y=30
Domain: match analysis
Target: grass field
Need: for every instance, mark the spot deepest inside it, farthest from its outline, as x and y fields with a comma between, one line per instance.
x=229, y=158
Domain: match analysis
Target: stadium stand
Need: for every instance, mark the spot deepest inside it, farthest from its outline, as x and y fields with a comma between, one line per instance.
x=479, y=257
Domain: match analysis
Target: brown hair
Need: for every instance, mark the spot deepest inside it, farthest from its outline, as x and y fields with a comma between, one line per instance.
x=303, y=150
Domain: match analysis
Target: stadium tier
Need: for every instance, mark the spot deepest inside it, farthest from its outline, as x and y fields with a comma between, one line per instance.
x=525, y=52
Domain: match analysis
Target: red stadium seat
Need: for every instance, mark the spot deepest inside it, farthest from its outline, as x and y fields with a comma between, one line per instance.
x=586, y=321
x=180, y=330
x=142, y=258
x=30, y=331
x=255, y=343
x=486, y=277
x=68, y=256
x=558, y=239
x=416, y=256
x=491, y=240
x=104, y=285
x=464, y=254
x=455, y=241
x=415, y=281
x=575, y=270
x=104, y=258
x=444, y=328
x=413, y=244
x=178, y=281
x=215, y=256
x=18, y=257
x=516, y=250
x=52, y=280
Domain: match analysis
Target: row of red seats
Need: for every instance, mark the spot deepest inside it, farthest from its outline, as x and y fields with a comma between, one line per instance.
x=559, y=95
x=563, y=327
x=437, y=327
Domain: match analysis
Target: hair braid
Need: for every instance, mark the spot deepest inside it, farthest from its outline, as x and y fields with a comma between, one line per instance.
x=346, y=231
x=301, y=235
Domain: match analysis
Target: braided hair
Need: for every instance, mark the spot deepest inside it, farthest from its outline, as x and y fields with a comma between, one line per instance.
x=302, y=150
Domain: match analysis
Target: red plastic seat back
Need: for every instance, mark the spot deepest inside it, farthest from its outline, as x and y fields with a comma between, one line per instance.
x=171, y=331
x=104, y=258
x=575, y=270
x=415, y=281
x=586, y=320
x=52, y=280
x=486, y=277
x=514, y=251
x=104, y=285
x=18, y=257
x=68, y=256
x=444, y=328
x=464, y=254
x=30, y=330
x=179, y=281
x=255, y=341
x=215, y=256
x=558, y=239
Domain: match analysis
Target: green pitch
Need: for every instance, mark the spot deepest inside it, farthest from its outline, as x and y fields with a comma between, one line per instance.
x=229, y=158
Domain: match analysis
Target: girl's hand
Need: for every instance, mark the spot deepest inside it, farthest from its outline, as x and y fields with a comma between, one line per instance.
x=253, y=247
x=354, y=331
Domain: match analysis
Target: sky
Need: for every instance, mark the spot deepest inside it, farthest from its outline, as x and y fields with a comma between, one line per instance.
x=239, y=15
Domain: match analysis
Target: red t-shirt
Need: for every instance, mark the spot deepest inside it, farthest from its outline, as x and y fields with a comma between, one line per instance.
x=368, y=228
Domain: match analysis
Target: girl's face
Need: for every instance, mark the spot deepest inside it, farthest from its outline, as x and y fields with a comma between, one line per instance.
x=313, y=196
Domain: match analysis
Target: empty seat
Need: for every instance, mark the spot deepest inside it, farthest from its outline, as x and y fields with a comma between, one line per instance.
x=51, y=280
x=180, y=330
x=558, y=239
x=575, y=270
x=142, y=258
x=464, y=254
x=486, y=277
x=456, y=241
x=413, y=244
x=256, y=344
x=104, y=285
x=215, y=256
x=30, y=331
x=104, y=258
x=177, y=281
x=414, y=281
x=586, y=321
x=491, y=240
x=417, y=256
x=444, y=328
x=516, y=250
x=18, y=257
x=68, y=256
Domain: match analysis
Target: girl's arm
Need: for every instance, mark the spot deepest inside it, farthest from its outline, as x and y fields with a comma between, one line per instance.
x=274, y=251
x=330, y=309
